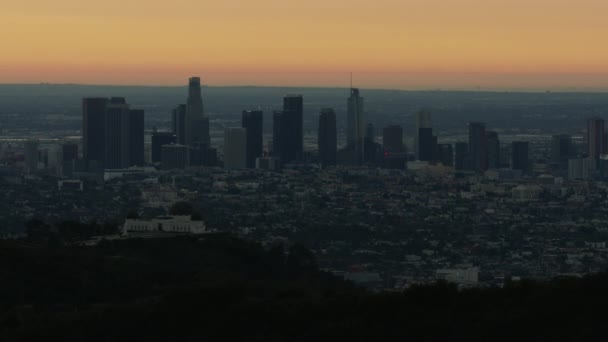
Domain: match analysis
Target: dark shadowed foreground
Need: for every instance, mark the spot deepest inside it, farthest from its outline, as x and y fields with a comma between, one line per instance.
x=220, y=288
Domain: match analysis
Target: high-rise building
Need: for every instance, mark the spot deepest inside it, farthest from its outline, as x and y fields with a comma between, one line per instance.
x=392, y=139
x=293, y=109
x=519, y=156
x=561, y=150
x=117, y=134
x=595, y=137
x=136, y=137
x=445, y=155
x=578, y=168
x=235, y=148
x=328, y=139
x=69, y=158
x=423, y=120
x=280, y=130
x=179, y=123
x=478, y=151
x=355, y=119
x=175, y=157
x=461, y=156
x=31, y=155
x=426, y=144
x=158, y=140
x=253, y=122
x=94, y=132
x=370, y=132
x=493, y=150
x=196, y=123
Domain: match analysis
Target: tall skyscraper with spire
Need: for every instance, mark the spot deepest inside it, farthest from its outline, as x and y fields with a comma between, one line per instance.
x=197, y=123
x=355, y=119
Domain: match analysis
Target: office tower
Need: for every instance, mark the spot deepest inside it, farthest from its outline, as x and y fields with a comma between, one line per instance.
x=445, y=154
x=31, y=155
x=578, y=168
x=175, y=157
x=235, y=148
x=117, y=134
x=478, y=152
x=392, y=139
x=293, y=111
x=355, y=119
x=69, y=157
x=461, y=156
x=158, y=140
x=253, y=122
x=328, y=137
x=595, y=137
x=94, y=132
x=179, y=123
x=561, y=150
x=196, y=123
x=423, y=120
x=493, y=150
x=426, y=144
x=370, y=132
x=279, y=136
x=136, y=137
x=519, y=156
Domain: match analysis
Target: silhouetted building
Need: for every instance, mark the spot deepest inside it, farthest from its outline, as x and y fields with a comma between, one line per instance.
x=392, y=139
x=426, y=144
x=197, y=124
x=370, y=132
x=158, y=140
x=136, y=137
x=478, y=152
x=253, y=121
x=235, y=148
x=355, y=119
x=175, y=157
x=293, y=110
x=595, y=138
x=461, y=156
x=423, y=120
x=445, y=154
x=117, y=134
x=327, y=139
x=519, y=156
x=493, y=150
x=202, y=155
x=94, y=132
x=179, y=123
x=561, y=150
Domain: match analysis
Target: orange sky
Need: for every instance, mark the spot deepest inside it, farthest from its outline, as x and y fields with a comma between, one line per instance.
x=385, y=43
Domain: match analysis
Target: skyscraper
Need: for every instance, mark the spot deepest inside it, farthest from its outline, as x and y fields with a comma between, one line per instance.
x=327, y=140
x=461, y=156
x=519, y=156
x=158, y=140
x=136, y=137
x=370, y=132
x=175, y=157
x=117, y=134
x=478, y=151
x=94, y=132
x=561, y=150
x=426, y=144
x=392, y=139
x=423, y=120
x=355, y=119
x=235, y=148
x=253, y=122
x=595, y=137
x=196, y=123
x=179, y=123
x=493, y=150
x=293, y=108
x=279, y=135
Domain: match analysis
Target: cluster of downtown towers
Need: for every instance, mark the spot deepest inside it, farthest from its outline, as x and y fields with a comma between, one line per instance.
x=113, y=138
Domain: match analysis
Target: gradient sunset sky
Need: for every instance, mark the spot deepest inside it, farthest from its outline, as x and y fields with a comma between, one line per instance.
x=407, y=44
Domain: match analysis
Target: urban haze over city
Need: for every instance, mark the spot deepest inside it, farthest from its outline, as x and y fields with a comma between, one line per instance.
x=329, y=170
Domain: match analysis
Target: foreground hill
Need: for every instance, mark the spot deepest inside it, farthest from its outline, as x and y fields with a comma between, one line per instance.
x=220, y=288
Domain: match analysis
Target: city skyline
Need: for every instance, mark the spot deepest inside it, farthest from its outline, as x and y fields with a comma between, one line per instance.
x=386, y=44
